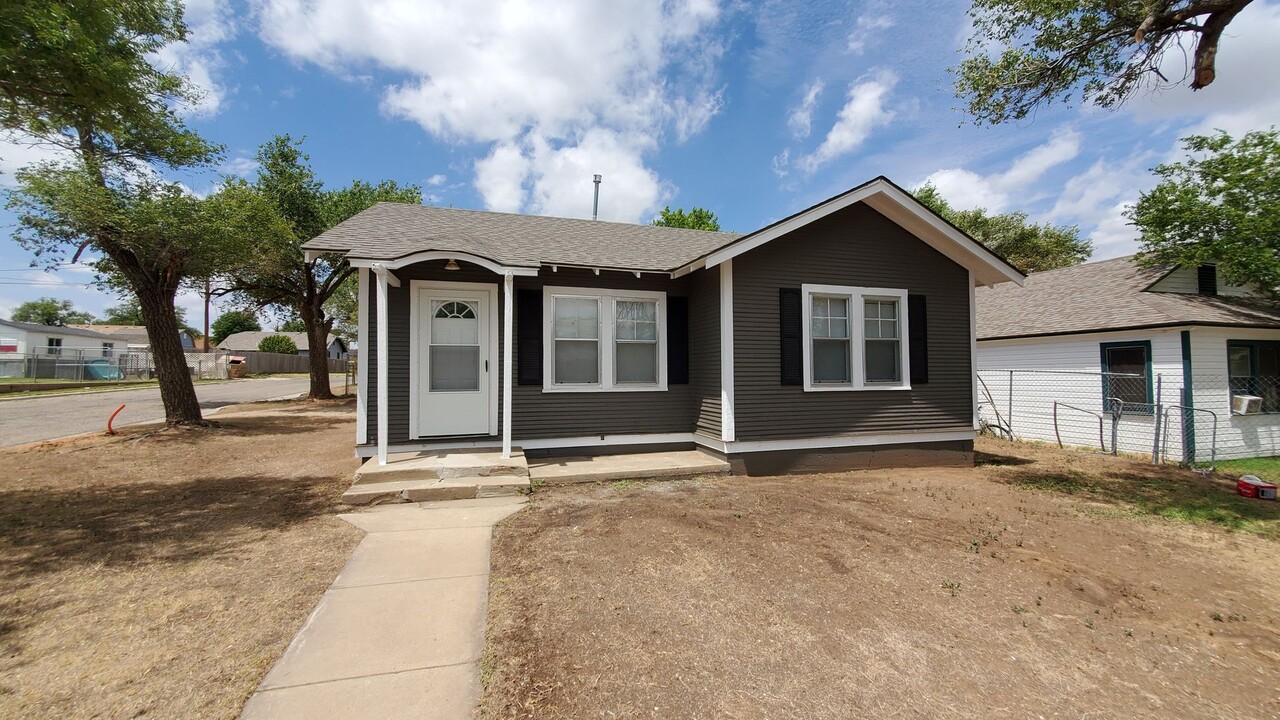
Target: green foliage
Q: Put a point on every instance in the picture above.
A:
(1221, 204)
(1029, 246)
(292, 325)
(232, 322)
(50, 311)
(695, 219)
(1027, 54)
(278, 344)
(344, 307)
(129, 312)
(79, 73)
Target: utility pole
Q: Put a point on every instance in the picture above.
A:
(205, 339)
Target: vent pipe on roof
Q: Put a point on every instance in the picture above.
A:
(595, 204)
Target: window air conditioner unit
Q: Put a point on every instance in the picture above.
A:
(1246, 404)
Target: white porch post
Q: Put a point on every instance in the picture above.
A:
(382, 366)
(507, 283)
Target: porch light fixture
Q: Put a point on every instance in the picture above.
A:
(452, 265)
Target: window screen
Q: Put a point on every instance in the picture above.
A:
(636, 341)
(1126, 374)
(830, 332)
(882, 338)
(577, 341)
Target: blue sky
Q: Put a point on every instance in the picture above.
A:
(754, 110)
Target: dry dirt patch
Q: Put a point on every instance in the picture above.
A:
(159, 574)
(1032, 585)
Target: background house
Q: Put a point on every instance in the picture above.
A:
(135, 336)
(243, 342)
(20, 338)
(1159, 340)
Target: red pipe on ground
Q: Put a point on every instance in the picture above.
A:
(113, 417)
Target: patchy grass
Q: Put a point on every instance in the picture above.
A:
(1267, 468)
(160, 573)
(1042, 578)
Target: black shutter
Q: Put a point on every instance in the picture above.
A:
(790, 327)
(677, 340)
(918, 331)
(528, 337)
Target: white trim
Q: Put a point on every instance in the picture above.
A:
(362, 367)
(508, 282)
(382, 363)
(857, 347)
(834, 441)
(728, 427)
(417, 286)
(540, 443)
(973, 346)
(384, 271)
(605, 297)
(898, 206)
(442, 255)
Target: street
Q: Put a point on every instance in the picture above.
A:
(44, 418)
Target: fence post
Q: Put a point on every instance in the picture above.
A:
(1115, 426)
(1155, 431)
(1008, 420)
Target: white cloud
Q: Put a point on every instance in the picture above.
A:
(18, 150)
(800, 119)
(210, 23)
(867, 28)
(241, 165)
(965, 189)
(863, 112)
(520, 78)
(437, 180)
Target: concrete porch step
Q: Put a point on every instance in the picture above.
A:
(443, 465)
(630, 466)
(428, 489)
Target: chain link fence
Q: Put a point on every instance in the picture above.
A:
(59, 364)
(1154, 416)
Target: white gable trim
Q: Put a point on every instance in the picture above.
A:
(887, 199)
(441, 255)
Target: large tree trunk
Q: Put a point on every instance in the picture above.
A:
(177, 391)
(318, 326)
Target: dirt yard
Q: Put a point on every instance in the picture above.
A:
(1043, 583)
(160, 574)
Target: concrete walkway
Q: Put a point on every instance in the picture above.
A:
(400, 632)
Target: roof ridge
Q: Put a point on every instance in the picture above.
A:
(659, 228)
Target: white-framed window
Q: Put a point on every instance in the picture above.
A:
(604, 340)
(53, 345)
(108, 349)
(855, 338)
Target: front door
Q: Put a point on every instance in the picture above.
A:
(453, 362)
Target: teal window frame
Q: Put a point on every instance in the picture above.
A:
(1129, 409)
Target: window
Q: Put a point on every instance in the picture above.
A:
(54, 345)
(854, 338)
(604, 340)
(108, 349)
(1254, 369)
(1126, 374)
(454, 349)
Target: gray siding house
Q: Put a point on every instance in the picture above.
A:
(839, 337)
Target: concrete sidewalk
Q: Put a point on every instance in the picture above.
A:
(400, 632)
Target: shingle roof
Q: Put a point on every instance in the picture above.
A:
(1106, 295)
(249, 340)
(55, 329)
(388, 231)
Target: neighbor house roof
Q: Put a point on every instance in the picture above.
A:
(242, 341)
(389, 231)
(1107, 295)
(136, 333)
(54, 329)
(394, 234)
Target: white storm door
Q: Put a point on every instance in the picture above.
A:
(454, 338)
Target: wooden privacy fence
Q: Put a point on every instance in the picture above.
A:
(265, 362)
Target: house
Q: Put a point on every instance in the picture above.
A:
(1169, 347)
(248, 342)
(135, 336)
(841, 336)
(21, 338)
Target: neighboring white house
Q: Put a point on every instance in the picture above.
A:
(20, 338)
(1059, 355)
(248, 342)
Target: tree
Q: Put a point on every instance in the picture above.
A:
(292, 325)
(278, 344)
(344, 308)
(277, 273)
(129, 312)
(50, 311)
(78, 74)
(1219, 205)
(1029, 246)
(1099, 50)
(696, 219)
(233, 321)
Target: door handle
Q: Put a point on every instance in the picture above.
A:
(486, 366)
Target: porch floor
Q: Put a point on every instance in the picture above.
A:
(464, 474)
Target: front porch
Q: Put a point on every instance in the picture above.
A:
(473, 473)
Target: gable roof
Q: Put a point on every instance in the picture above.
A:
(249, 340)
(390, 231)
(1107, 295)
(53, 329)
(394, 234)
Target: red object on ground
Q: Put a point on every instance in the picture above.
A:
(113, 417)
(1251, 487)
